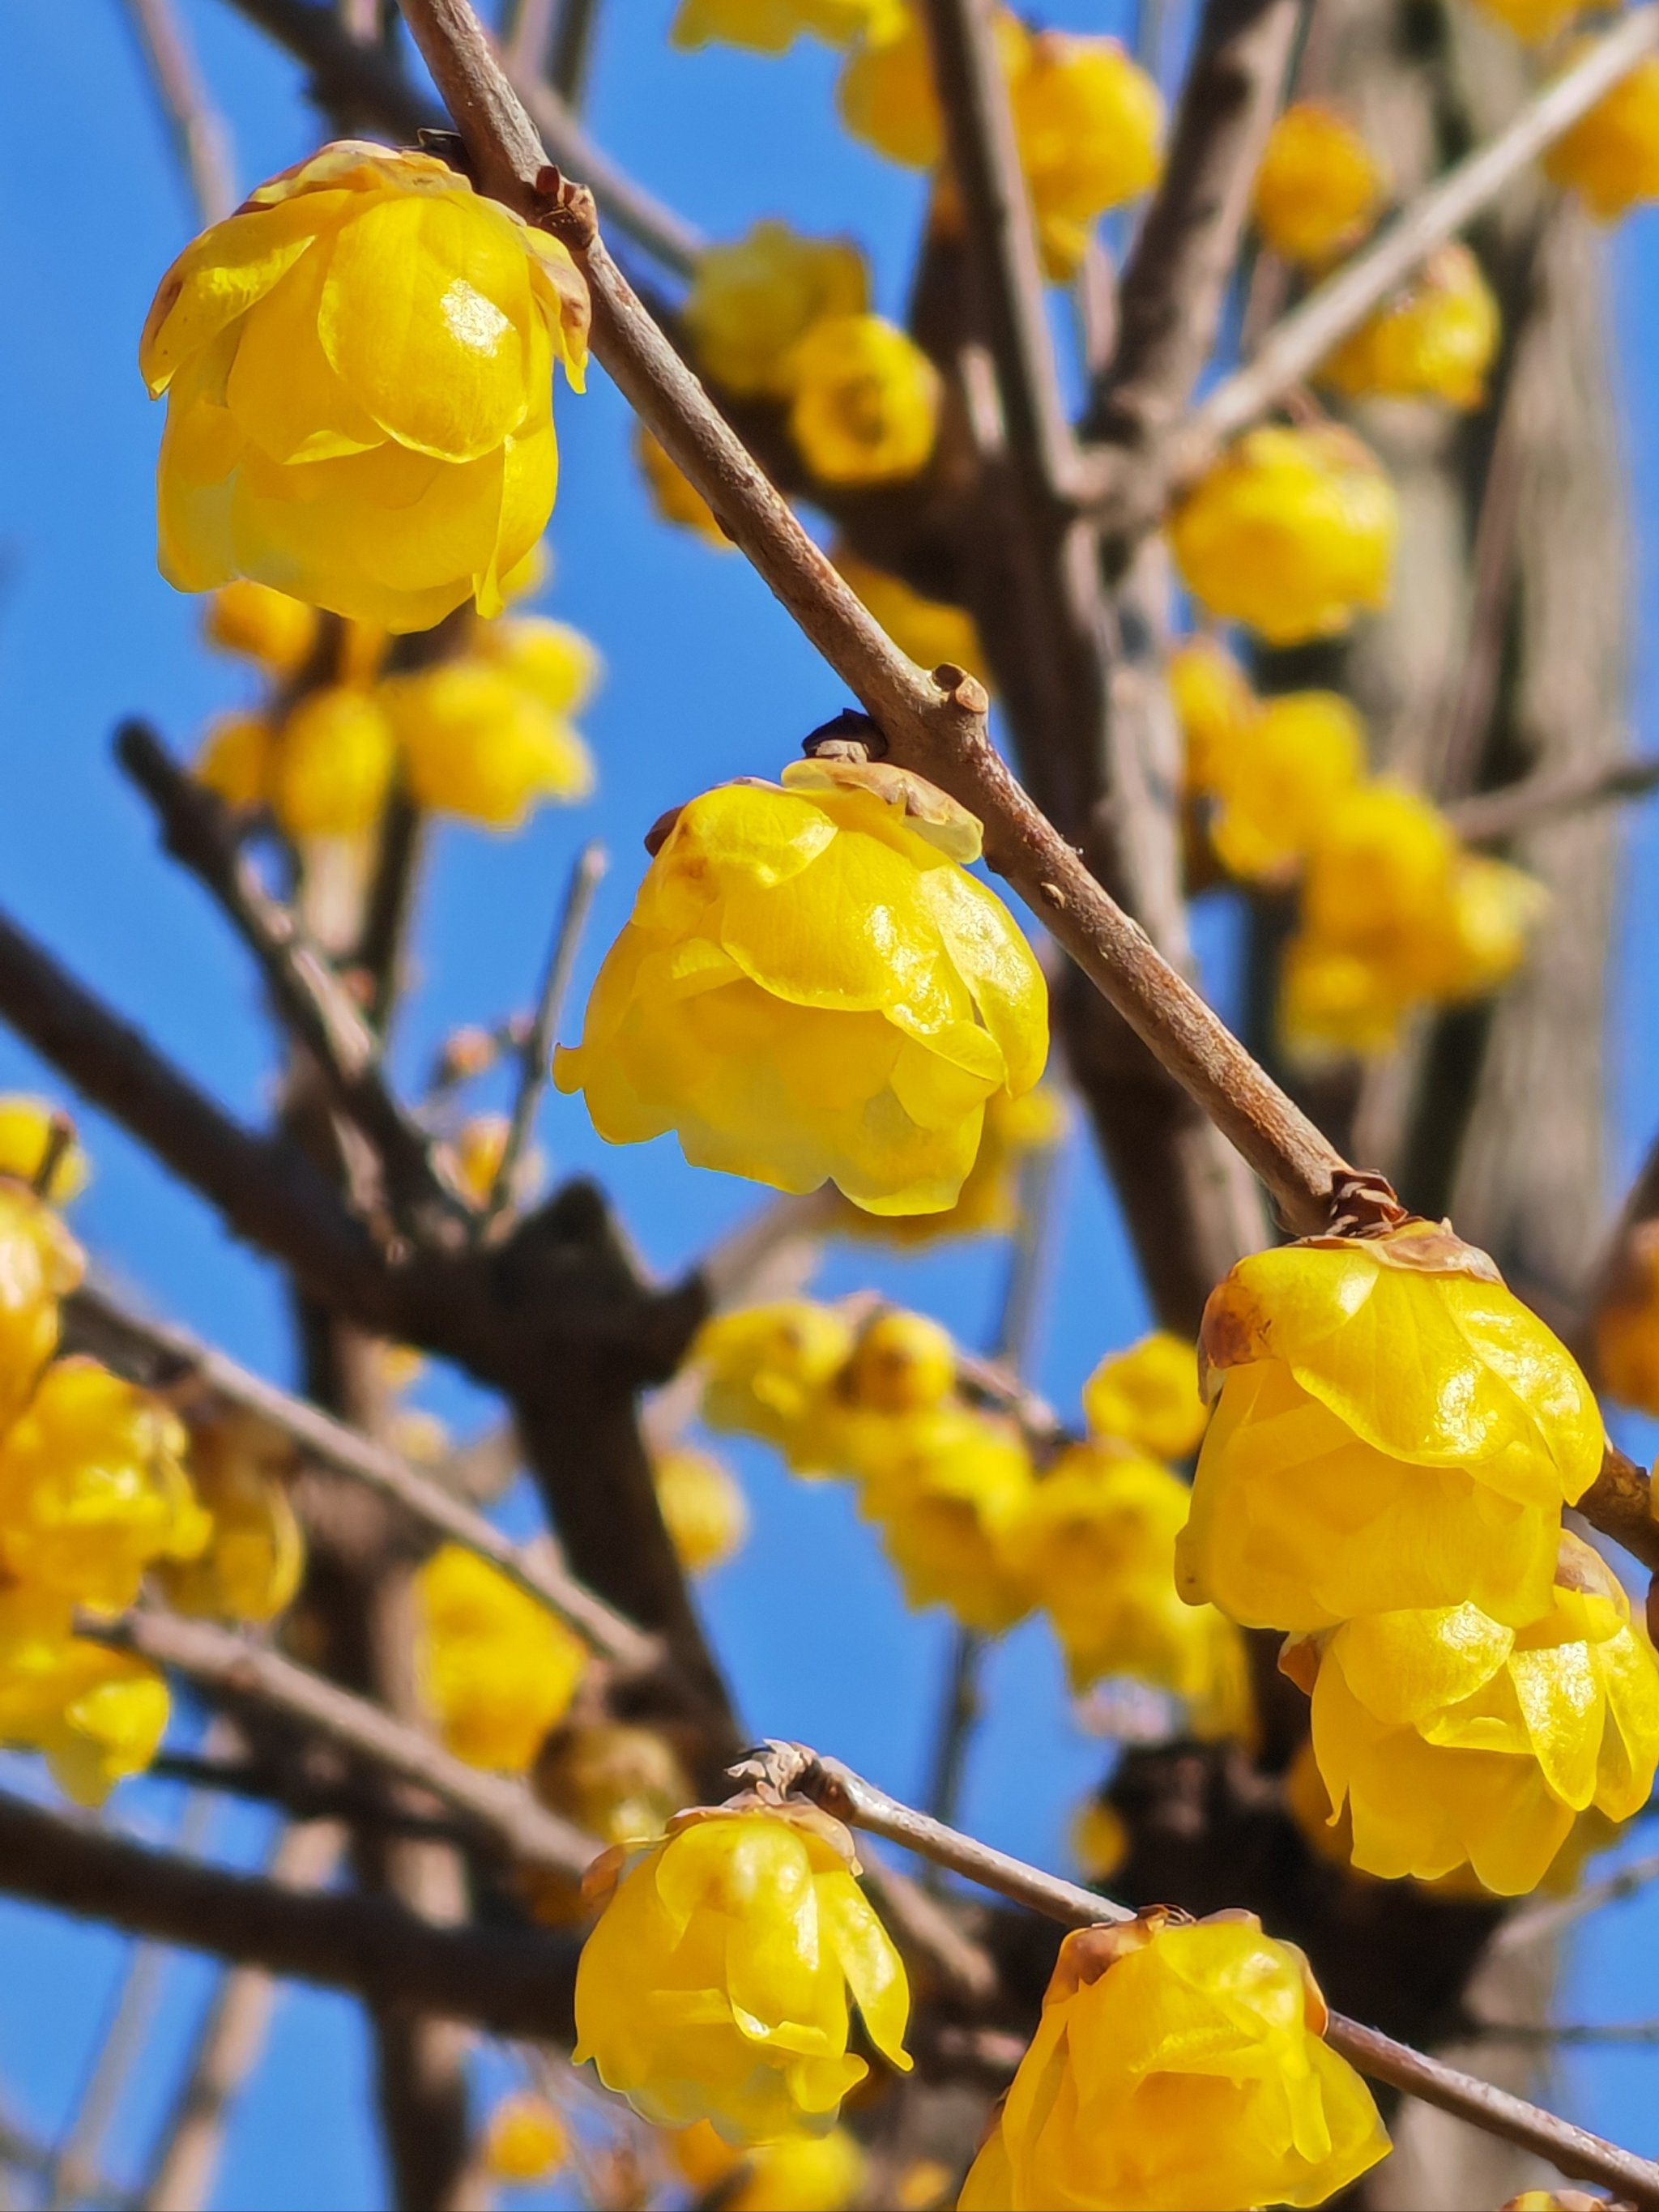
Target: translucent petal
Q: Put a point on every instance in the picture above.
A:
(1564, 1704)
(222, 274)
(997, 964)
(1404, 1666)
(283, 395)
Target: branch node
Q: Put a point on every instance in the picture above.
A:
(848, 735)
(963, 690)
(1365, 1203)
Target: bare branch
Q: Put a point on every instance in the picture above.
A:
(1605, 2033)
(197, 128)
(1539, 1923)
(1490, 817)
(1619, 1503)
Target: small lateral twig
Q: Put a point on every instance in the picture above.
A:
(1489, 817)
(1574, 2150)
(536, 1053)
(1540, 1923)
(168, 1357)
(197, 128)
(1607, 2034)
(233, 1667)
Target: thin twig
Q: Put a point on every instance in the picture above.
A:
(305, 1801)
(538, 1053)
(383, 944)
(1538, 1923)
(1490, 817)
(1606, 2034)
(570, 50)
(197, 128)
(167, 1357)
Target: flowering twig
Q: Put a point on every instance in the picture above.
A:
(792, 1769)
(197, 127)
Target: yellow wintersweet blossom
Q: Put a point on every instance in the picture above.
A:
(703, 1507)
(97, 1715)
(1148, 1398)
(886, 91)
(476, 742)
(1453, 1738)
(812, 988)
(29, 1133)
(931, 631)
(1436, 340)
(951, 1491)
(902, 1363)
(1089, 124)
(92, 1488)
(866, 400)
(1610, 157)
(359, 372)
(1300, 754)
(771, 26)
(751, 302)
(1292, 531)
(1626, 1326)
(797, 2173)
(553, 661)
(238, 758)
(674, 496)
(262, 625)
(1393, 1428)
(1535, 20)
(1099, 1840)
(1320, 187)
(331, 766)
(1215, 707)
(716, 1983)
(40, 1263)
(524, 2139)
(1178, 2064)
(989, 1204)
(255, 1554)
(770, 1372)
(497, 1669)
(617, 1781)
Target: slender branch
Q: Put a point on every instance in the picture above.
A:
(537, 1054)
(197, 128)
(240, 1670)
(1539, 1922)
(1619, 1503)
(1492, 816)
(286, 1785)
(168, 1356)
(383, 944)
(515, 1981)
(1606, 2034)
(850, 1797)
(1297, 345)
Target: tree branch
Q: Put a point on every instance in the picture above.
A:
(1490, 817)
(197, 128)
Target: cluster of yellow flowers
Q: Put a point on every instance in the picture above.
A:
(497, 1671)
(1395, 1438)
(1395, 912)
(483, 736)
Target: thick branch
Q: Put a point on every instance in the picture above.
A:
(513, 1981)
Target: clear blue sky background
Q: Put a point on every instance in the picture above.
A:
(706, 678)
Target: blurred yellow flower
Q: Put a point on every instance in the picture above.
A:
(931, 631)
(1148, 1398)
(1535, 20)
(28, 1134)
(951, 1492)
(1099, 1838)
(497, 1669)
(359, 369)
(1178, 2065)
(1300, 754)
(813, 988)
(902, 1363)
(617, 1781)
(1089, 124)
(97, 1715)
(864, 403)
(886, 91)
(989, 1203)
(770, 1372)
(332, 767)
(703, 1507)
(524, 2139)
(1320, 187)
(676, 499)
(1292, 531)
(40, 1263)
(716, 1983)
(1435, 340)
(551, 661)
(255, 1554)
(771, 26)
(1215, 707)
(751, 302)
(1394, 1430)
(1627, 1324)
(262, 625)
(1610, 157)
(476, 742)
(238, 758)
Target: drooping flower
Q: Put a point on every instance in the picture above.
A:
(1320, 187)
(716, 1983)
(1088, 123)
(769, 1372)
(29, 1133)
(255, 1554)
(1298, 756)
(97, 1715)
(524, 2139)
(931, 631)
(751, 302)
(1178, 2066)
(477, 742)
(812, 988)
(1453, 1738)
(1147, 1398)
(1214, 706)
(1394, 1429)
(1016, 1130)
(358, 366)
(886, 91)
(1291, 531)
(40, 1263)
(1436, 340)
(950, 1489)
(703, 1507)
(1610, 157)
(865, 401)
(497, 1669)
(263, 625)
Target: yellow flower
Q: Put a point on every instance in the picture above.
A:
(1394, 1428)
(1320, 187)
(751, 301)
(97, 1715)
(1100, 1840)
(676, 499)
(902, 1363)
(771, 26)
(237, 759)
(40, 1263)
(1096, 1548)
(1089, 125)
(770, 1372)
(1178, 2066)
(524, 2139)
(1214, 706)
(1453, 1738)
(497, 1671)
(813, 988)
(333, 765)
(620, 1783)
(262, 625)
(703, 1507)
(92, 1488)
(359, 371)
(1434, 340)
(931, 631)
(1626, 1326)
(886, 91)
(1334, 1001)
(1300, 755)
(1534, 20)
(1291, 531)
(1147, 1398)
(1494, 910)
(478, 743)
(801, 2174)
(715, 1984)
(26, 1137)
(1610, 157)
(989, 1204)
(951, 1491)
(865, 401)
(255, 1554)
(554, 662)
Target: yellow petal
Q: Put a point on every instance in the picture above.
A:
(221, 275)
(283, 395)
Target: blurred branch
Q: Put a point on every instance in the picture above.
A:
(1489, 817)
(570, 50)
(1539, 1923)
(514, 1981)
(195, 124)
(1567, 2033)
(383, 944)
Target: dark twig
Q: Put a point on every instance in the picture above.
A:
(197, 128)
(1606, 2034)
(383, 945)
(570, 51)
(1490, 817)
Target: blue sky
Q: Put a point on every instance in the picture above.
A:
(706, 678)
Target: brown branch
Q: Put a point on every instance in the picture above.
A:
(1619, 1503)
(382, 946)
(1539, 1923)
(1490, 817)
(1573, 2150)
(243, 1672)
(513, 1981)
(197, 128)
